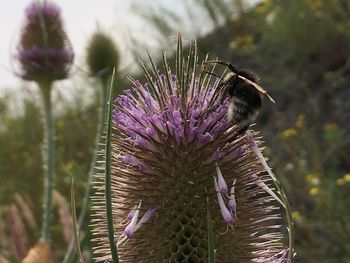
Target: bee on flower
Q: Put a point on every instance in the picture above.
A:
(176, 152)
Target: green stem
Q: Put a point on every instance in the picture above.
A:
(108, 183)
(48, 157)
(82, 215)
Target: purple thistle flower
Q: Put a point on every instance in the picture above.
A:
(43, 52)
(177, 127)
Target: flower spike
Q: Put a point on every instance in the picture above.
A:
(44, 51)
(172, 139)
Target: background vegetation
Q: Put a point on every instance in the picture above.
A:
(300, 50)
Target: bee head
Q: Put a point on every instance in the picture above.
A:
(237, 79)
(247, 93)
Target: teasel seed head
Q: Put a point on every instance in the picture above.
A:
(43, 52)
(102, 55)
(171, 138)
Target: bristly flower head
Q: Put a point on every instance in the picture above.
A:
(179, 162)
(102, 55)
(43, 51)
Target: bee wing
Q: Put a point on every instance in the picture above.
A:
(259, 88)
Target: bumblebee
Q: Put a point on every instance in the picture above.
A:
(246, 95)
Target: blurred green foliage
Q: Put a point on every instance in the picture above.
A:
(21, 167)
(300, 50)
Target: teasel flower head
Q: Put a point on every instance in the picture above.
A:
(186, 186)
(102, 55)
(43, 52)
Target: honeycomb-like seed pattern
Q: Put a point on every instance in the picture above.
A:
(184, 229)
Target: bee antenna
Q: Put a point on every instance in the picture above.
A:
(227, 64)
(213, 74)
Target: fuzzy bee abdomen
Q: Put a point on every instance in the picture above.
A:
(241, 114)
(238, 111)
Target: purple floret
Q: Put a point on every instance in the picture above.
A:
(45, 9)
(138, 111)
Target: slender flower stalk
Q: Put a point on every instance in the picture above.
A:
(102, 56)
(85, 200)
(171, 138)
(44, 56)
(49, 159)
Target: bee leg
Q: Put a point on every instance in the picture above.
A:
(243, 129)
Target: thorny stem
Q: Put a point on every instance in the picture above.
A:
(48, 157)
(82, 215)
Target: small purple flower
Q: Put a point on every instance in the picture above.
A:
(43, 51)
(134, 225)
(45, 8)
(217, 154)
(132, 213)
(131, 227)
(226, 214)
(238, 152)
(148, 214)
(222, 186)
